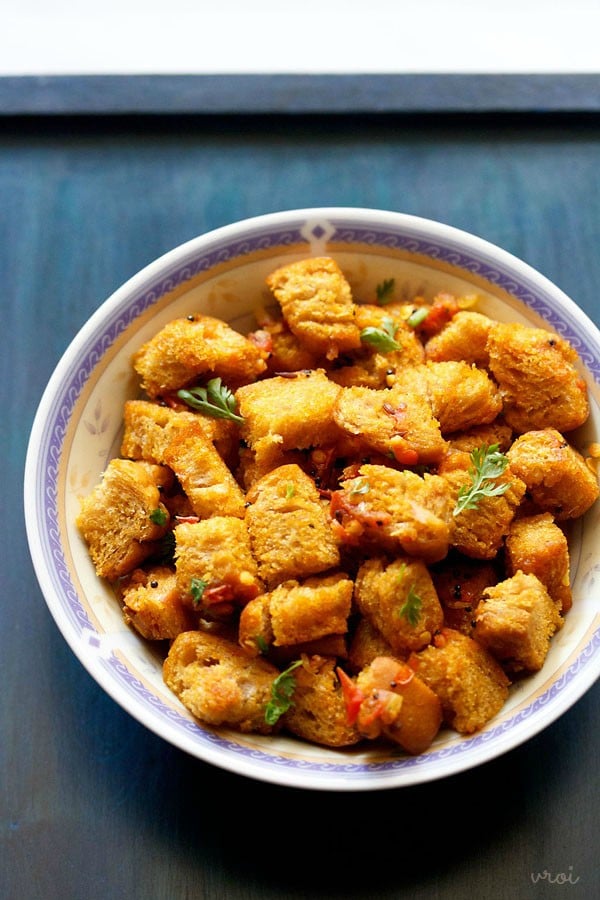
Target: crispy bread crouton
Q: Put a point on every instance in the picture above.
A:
(293, 412)
(398, 705)
(535, 370)
(218, 682)
(255, 632)
(397, 422)
(555, 473)
(393, 510)
(515, 621)
(536, 545)
(289, 529)
(193, 347)
(207, 481)
(461, 395)
(471, 684)
(463, 338)
(482, 435)
(366, 644)
(119, 519)
(318, 711)
(215, 555)
(304, 612)
(400, 601)
(153, 605)
(316, 302)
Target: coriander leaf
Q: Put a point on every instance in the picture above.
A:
(290, 490)
(261, 643)
(411, 608)
(282, 691)
(382, 338)
(197, 588)
(487, 464)
(359, 486)
(158, 516)
(214, 400)
(385, 291)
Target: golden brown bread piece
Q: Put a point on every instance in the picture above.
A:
(316, 302)
(318, 711)
(218, 682)
(555, 473)
(515, 620)
(192, 348)
(471, 684)
(289, 529)
(538, 379)
(153, 605)
(123, 517)
(463, 338)
(536, 545)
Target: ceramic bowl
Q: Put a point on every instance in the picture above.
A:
(77, 431)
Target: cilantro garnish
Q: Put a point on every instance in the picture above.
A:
(417, 317)
(282, 691)
(359, 486)
(385, 291)
(158, 516)
(488, 464)
(411, 608)
(197, 588)
(382, 338)
(214, 400)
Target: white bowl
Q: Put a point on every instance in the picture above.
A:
(77, 431)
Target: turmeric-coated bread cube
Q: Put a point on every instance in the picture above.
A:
(497, 432)
(400, 601)
(255, 632)
(398, 423)
(214, 562)
(366, 644)
(291, 412)
(538, 379)
(461, 395)
(289, 529)
(471, 684)
(397, 704)
(153, 605)
(196, 347)
(464, 337)
(285, 351)
(515, 620)
(219, 683)
(555, 473)
(536, 545)
(207, 481)
(318, 710)
(123, 517)
(316, 302)
(479, 532)
(396, 511)
(317, 607)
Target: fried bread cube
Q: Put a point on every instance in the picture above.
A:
(397, 422)
(483, 435)
(153, 605)
(536, 545)
(255, 632)
(400, 601)
(538, 379)
(515, 621)
(479, 532)
(396, 511)
(293, 412)
(219, 683)
(316, 302)
(318, 711)
(149, 428)
(366, 644)
(214, 562)
(289, 529)
(461, 395)
(207, 481)
(123, 517)
(193, 347)
(471, 684)
(464, 337)
(555, 473)
(286, 353)
(398, 705)
(318, 606)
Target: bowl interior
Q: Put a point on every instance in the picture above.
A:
(78, 429)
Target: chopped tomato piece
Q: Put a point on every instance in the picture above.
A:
(353, 696)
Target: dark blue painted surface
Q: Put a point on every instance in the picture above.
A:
(91, 804)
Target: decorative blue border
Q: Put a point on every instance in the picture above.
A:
(148, 293)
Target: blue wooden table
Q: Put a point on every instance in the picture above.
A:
(94, 806)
